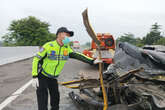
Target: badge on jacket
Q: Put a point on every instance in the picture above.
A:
(53, 53)
(41, 49)
(65, 52)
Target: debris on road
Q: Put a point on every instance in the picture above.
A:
(136, 81)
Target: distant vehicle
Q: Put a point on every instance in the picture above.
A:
(107, 48)
(76, 45)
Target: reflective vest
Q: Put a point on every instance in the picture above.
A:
(53, 63)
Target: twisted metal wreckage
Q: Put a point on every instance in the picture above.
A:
(134, 82)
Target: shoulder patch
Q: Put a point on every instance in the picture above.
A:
(42, 49)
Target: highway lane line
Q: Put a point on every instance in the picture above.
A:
(14, 95)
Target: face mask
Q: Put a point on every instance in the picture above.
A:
(66, 41)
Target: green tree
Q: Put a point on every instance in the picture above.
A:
(154, 35)
(161, 41)
(139, 42)
(8, 40)
(127, 37)
(0, 43)
(130, 38)
(51, 37)
(28, 31)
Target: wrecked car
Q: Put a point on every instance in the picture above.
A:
(134, 82)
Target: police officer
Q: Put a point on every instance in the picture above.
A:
(53, 55)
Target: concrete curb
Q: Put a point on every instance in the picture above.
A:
(15, 54)
(14, 59)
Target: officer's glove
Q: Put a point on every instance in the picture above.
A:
(35, 83)
(97, 61)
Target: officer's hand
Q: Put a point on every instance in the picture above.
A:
(97, 61)
(35, 83)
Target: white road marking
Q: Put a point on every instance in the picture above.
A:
(14, 95)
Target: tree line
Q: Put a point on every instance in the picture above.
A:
(31, 31)
(154, 37)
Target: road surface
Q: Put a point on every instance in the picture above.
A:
(13, 76)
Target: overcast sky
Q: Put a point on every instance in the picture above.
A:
(113, 16)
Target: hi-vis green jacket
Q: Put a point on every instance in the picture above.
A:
(55, 56)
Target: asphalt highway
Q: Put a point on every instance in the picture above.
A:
(15, 75)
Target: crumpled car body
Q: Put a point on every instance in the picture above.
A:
(142, 89)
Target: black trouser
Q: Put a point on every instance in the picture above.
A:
(47, 85)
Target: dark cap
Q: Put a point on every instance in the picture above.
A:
(64, 29)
